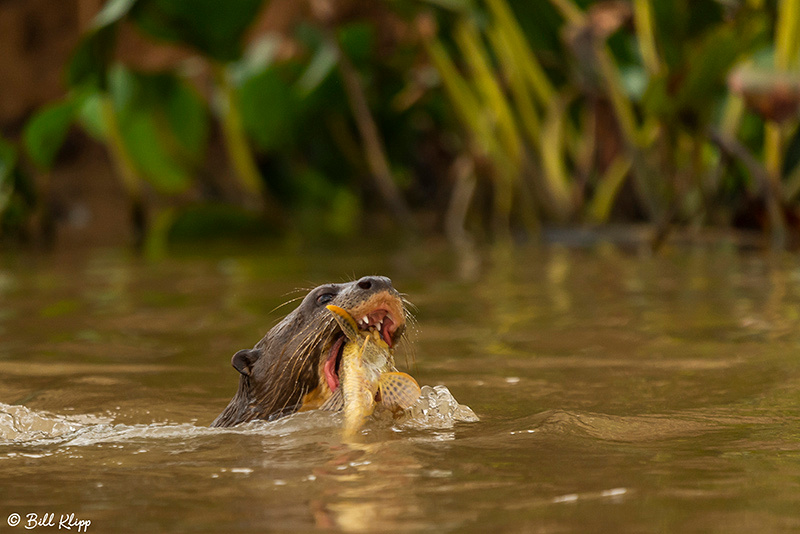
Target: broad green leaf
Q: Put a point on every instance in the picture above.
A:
(163, 124)
(89, 63)
(320, 66)
(708, 67)
(678, 25)
(357, 41)
(214, 28)
(45, 132)
(113, 11)
(269, 109)
(144, 140)
(90, 115)
(258, 56)
(123, 85)
(188, 118)
(709, 64)
(171, 100)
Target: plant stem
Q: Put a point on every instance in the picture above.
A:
(131, 180)
(787, 34)
(608, 187)
(643, 16)
(771, 190)
(570, 11)
(531, 69)
(238, 148)
(373, 144)
(772, 149)
(128, 173)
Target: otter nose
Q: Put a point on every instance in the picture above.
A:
(374, 283)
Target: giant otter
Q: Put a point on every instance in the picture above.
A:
(295, 367)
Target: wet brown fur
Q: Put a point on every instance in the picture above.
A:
(283, 373)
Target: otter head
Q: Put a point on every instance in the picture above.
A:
(295, 366)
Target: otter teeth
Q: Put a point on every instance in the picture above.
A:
(366, 323)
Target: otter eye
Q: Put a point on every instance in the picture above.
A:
(324, 298)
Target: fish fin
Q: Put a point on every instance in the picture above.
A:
(363, 348)
(335, 402)
(398, 390)
(345, 321)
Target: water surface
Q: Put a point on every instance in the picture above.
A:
(617, 393)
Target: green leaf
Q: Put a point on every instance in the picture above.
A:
(708, 66)
(320, 66)
(89, 64)
(188, 118)
(45, 132)
(258, 56)
(143, 138)
(90, 61)
(113, 11)
(214, 28)
(163, 124)
(269, 109)
(357, 41)
(170, 100)
(90, 115)
(711, 60)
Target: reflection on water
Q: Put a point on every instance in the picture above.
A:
(616, 393)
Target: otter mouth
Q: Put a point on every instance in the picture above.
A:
(386, 318)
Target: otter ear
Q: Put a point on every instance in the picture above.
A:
(243, 360)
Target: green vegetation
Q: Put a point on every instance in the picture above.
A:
(498, 116)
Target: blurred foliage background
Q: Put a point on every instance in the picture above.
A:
(322, 119)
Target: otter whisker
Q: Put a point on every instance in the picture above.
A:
(306, 348)
(407, 303)
(279, 306)
(312, 345)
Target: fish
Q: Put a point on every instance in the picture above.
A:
(368, 376)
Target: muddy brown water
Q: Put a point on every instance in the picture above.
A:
(617, 392)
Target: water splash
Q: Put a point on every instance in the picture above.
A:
(19, 424)
(437, 408)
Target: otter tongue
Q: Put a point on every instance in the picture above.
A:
(387, 324)
(330, 365)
